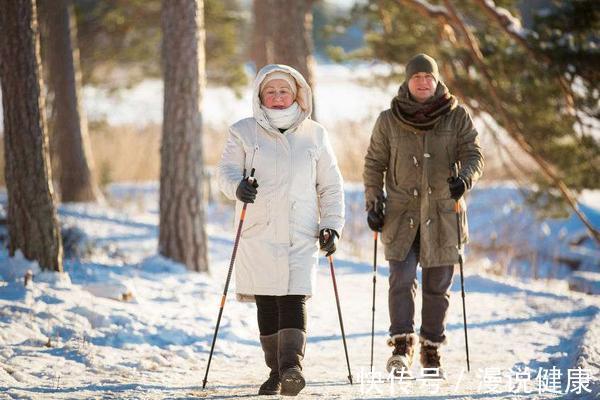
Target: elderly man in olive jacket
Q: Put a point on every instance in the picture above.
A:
(413, 147)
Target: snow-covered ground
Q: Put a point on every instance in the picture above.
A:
(73, 337)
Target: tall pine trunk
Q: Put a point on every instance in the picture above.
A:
(70, 140)
(283, 35)
(182, 235)
(32, 221)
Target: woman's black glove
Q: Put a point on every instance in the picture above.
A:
(375, 220)
(328, 239)
(457, 187)
(246, 190)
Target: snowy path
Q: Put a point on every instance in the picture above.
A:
(511, 326)
(157, 346)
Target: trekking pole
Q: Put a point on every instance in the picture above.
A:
(337, 301)
(374, 283)
(454, 169)
(224, 296)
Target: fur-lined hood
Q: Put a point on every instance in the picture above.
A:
(303, 96)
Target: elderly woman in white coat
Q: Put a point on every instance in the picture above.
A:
(297, 207)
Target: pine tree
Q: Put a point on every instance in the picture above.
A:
(71, 152)
(32, 222)
(182, 232)
(282, 34)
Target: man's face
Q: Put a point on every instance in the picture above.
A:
(422, 86)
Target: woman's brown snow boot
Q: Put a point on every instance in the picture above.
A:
(269, 345)
(292, 343)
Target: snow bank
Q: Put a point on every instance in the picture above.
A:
(585, 282)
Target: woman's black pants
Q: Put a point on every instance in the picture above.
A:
(280, 312)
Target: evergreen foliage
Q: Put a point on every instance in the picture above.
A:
(120, 41)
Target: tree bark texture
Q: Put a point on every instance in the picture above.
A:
(283, 35)
(32, 221)
(182, 232)
(71, 143)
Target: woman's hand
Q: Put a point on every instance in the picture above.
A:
(328, 239)
(246, 190)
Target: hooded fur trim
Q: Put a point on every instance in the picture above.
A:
(280, 75)
(303, 96)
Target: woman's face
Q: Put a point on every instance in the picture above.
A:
(277, 94)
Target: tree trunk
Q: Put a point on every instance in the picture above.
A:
(70, 139)
(182, 235)
(32, 221)
(283, 35)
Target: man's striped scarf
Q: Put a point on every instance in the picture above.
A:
(422, 116)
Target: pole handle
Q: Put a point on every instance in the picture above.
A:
(251, 177)
(454, 170)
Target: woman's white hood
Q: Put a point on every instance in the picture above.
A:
(304, 96)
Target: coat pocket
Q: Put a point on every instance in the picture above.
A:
(401, 164)
(447, 227)
(395, 225)
(256, 220)
(444, 143)
(393, 160)
(305, 219)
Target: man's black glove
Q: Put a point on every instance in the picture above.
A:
(457, 187)
(375, 220)
(375, 203)
(328, 239)
(246, 190)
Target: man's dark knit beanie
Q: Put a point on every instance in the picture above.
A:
(422, 63)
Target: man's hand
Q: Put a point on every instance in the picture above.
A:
(375, 204)
(457, 187)
(375, 220)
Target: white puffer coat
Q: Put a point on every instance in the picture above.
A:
(300, 192)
